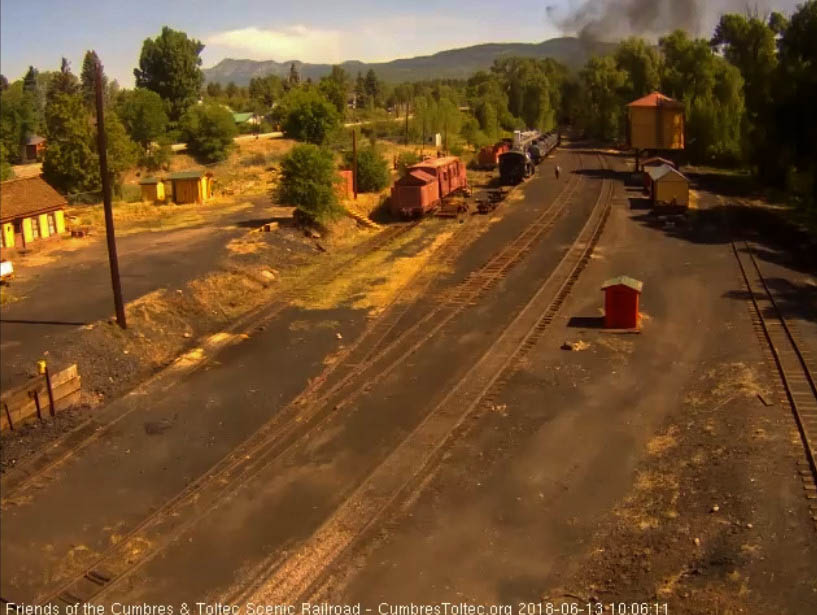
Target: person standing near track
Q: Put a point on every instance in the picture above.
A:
(557, 170)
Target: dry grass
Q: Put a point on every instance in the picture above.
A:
(132, 218)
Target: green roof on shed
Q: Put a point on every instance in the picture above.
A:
(624, 280)
(149, 181)
(190, 174)
(240, 118)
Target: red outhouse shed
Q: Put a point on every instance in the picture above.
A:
(621, 296)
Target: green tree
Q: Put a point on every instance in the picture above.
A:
(306, 115)
(214, 89)
(603, 107)
(143, 114)
(64, 80)
(17, 120)
(88, 79)
(335, 87)
(121, 151)
(798, 93)
(209, 130)
(70, 163)
(4, 83)
(308, 181)
(6, 171)
(264, 92)
(642, 63)
(372, 169)
(170, 66)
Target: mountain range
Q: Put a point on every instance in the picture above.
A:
(450, 64)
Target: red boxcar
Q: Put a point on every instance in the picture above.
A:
(426, 184)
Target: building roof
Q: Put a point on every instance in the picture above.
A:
(657, 99)
(657, 161)
(240, 118)
(624, 280)
(149, 181)
(658, 173)
(189, 174)
(435, 162)
(26, 196)
(35, 140)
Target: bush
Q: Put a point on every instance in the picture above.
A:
(306, 115)
(308, 181)
(405, 160)
(208, 130)
(156, 157)
(372, 169)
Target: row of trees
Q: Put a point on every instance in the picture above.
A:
(749, 92)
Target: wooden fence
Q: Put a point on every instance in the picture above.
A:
(33, 399)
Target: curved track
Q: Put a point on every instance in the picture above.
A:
(378, 352)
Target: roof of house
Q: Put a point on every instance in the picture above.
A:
(624, 280)
(657, 173)
(35, 140)
(26, 196)
(149, 181)
(189, 174)
(656, 99)
(657, 161)
(240, 118)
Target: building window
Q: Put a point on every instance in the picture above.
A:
(52, 225)
(35, 227)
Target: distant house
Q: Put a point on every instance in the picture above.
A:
(193, 186)
(153, 189)
(246, 118)
(33, 148)
(668, 186)
(30, 210)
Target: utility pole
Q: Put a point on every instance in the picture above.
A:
(106, 200)
(407, 114)
(354, 161)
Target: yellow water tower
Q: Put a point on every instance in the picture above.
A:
(656, 122)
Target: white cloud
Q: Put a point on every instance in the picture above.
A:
(291, 43)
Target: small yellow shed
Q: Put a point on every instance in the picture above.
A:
(193, 186)
(153, 190)
(656, 122)
(668, 186)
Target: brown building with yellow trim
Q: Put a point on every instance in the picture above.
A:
(656, 122)
(30, 210)
(194, 186)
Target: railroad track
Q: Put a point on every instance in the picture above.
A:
(794, 365)
(89, 431)
(365, 365)
(297, 577)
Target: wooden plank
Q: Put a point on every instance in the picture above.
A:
(66, 394)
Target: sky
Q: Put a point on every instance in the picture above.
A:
(41, 32)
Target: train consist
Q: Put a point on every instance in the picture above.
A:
(529, 149)
(426, 184)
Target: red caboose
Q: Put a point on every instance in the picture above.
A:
(426, 184)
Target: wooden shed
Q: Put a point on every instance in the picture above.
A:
(621, 296)
(153, 190)
(656, 122)
(30, 210)
(668, 186)
(655, 161)
(34, 148)
(194, 186)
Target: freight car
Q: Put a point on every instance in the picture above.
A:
(515, 166)
(488, 156)
(426, 184)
